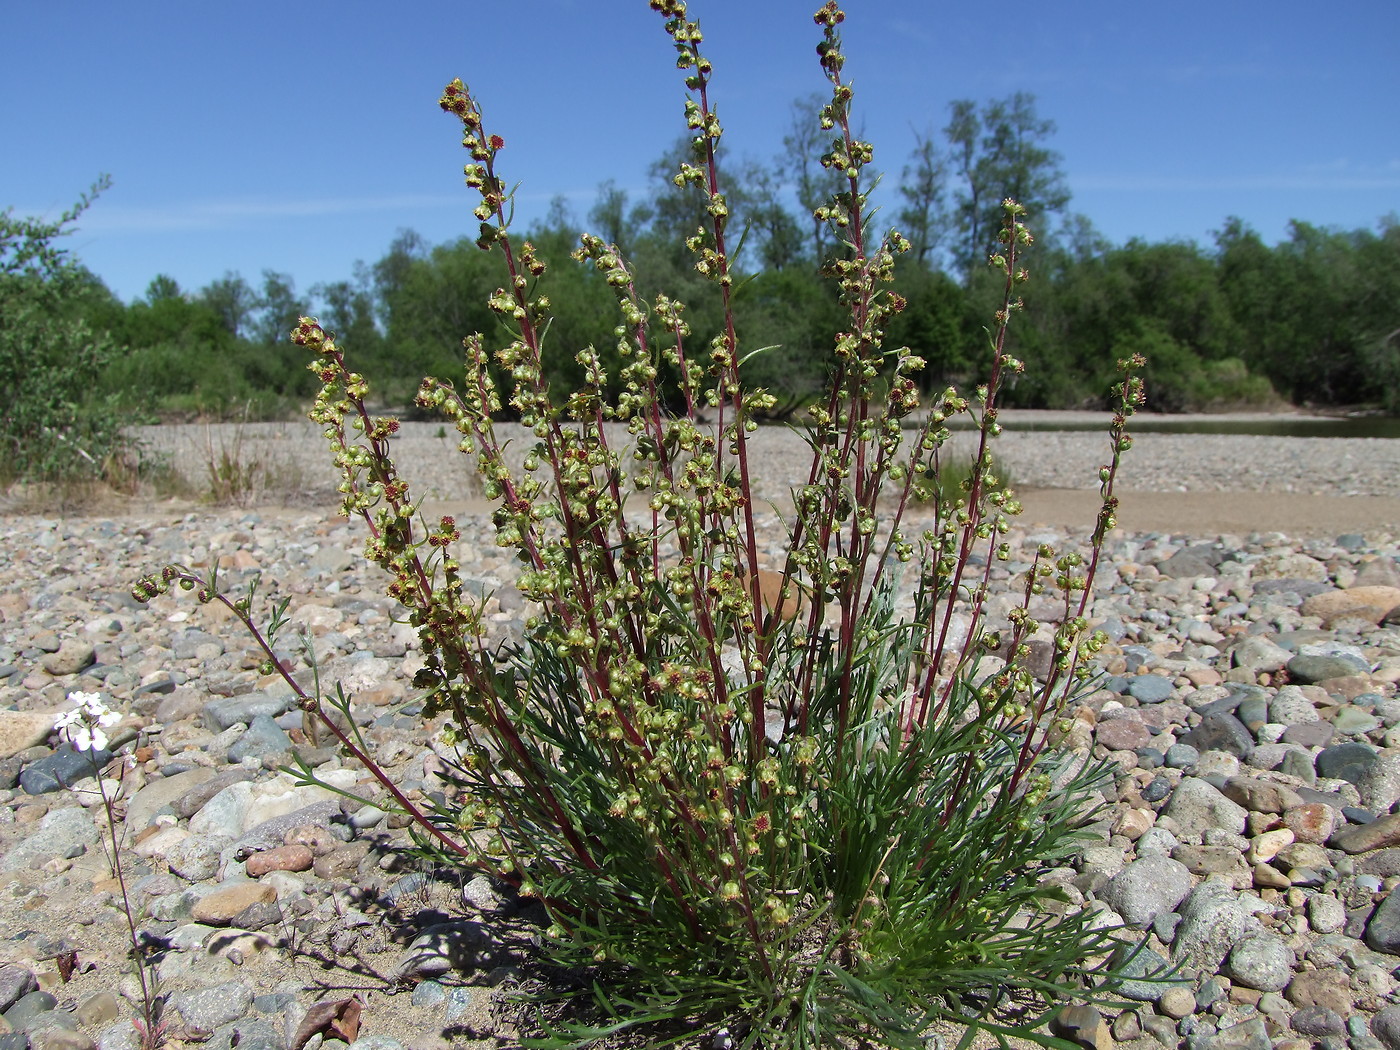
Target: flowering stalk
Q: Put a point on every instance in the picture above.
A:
(85, 728)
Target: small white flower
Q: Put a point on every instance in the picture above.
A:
(84, 738)
(83, 726)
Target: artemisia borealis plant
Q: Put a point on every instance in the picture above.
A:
(786, 803)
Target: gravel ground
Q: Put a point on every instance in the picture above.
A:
(1251, 835)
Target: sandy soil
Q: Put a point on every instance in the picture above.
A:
(1197, 513)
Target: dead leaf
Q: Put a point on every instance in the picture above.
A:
(334, 1017)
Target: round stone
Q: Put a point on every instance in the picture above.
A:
(1149, 689)
(1148, 886)
(1264, 962)
(1177, 1003)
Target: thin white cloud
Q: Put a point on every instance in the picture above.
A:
(1311, 182)
(201, 215)
(185, 216)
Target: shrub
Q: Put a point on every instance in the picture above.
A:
(52, 428)
(790, 803)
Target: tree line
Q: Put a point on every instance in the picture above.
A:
(1311, 320)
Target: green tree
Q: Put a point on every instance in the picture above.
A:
(998, 151)
(279, 307)
(932, 324)
(390, 273)
(52, 425)
(924, 216)
(233, 299)
(801, 166)
(348, 309)
(612, 220)
(163, 286)
(778, 234)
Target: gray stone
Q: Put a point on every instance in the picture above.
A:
(28, 1007)
(1257, 654)
(460, 945)
(1355, 721)
(223, 814)
(61, 833)
(120, 1036)
(196, 858)
(1318, 1020)
(1291, 707)
(158, 795)
(1186, 564)
(1146, 974)
(1264, 962)
(193, 800)
(272, 833)
(1196, 805)
(72, 657)
(208, 1008)
(1149, 689)
(1350, 761)
(1212, 922)
(1247, 1035)
(481, 894)
(1220, 731)
(1146, 887)
(1383, 929)
(58, 1036)
(15, 982)
(1379, 784)
(178, 705)
(1223, 860)
(1156, 840)
(428, 993)
(1326, 914)
(251, 1033)
(197, 645)
(1309, 734)
(229, 711)
(64, 768)
(1320, 667)
(1253, 712)
(1181, 756)
(263, 737)
(1385, 1026)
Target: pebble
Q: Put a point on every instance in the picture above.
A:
(1248, 836)
(282, 858)
(225, 903)
(1264, 962)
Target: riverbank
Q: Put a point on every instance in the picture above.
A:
(1199, 483)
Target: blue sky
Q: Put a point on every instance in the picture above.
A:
(300, 136)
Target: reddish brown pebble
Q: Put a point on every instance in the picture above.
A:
(283, 858)
(1313, 822)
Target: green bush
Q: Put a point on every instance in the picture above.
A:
(52, 427)
(788, 803)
